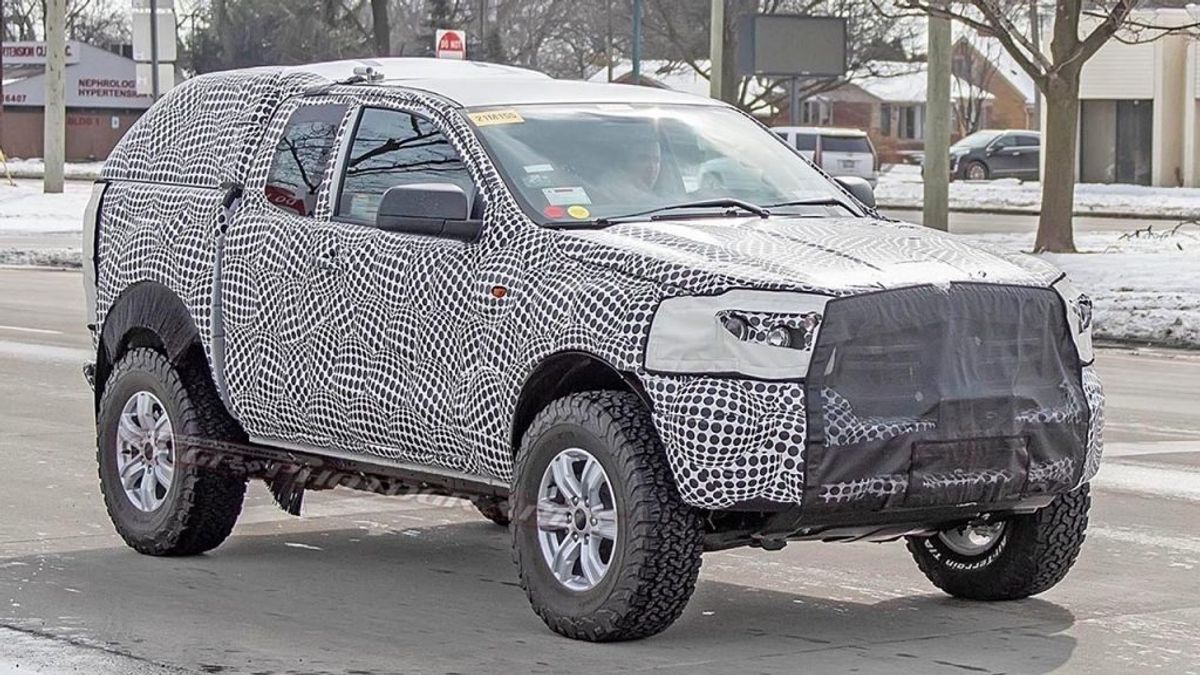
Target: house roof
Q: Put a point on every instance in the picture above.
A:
(675, 75)
(906, 83)
(1005, 65)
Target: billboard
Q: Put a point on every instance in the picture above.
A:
(789, 45)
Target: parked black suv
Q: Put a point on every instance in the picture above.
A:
(991, 153)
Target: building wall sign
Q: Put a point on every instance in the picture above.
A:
(34, 53)
(97, 79)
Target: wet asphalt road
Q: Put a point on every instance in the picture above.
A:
(365, 584)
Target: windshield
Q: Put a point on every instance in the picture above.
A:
(978, 139)
(580, 163)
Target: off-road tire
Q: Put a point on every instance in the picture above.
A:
(202, 504)
(494, 509)
(660, 538)
(1034, 553)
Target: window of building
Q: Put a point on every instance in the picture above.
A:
(885, 119)
(910, 122)
(816, 112)
(298, 167)
(393, 148)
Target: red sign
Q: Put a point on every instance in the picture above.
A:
(451, 44)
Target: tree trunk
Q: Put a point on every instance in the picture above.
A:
(381, 28)
(1059, 151)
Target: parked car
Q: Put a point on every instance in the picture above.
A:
(840, 152)
(479, 281)
(993, 153)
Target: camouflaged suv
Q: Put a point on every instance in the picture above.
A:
(536, 294)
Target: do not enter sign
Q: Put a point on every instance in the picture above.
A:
(451, 44)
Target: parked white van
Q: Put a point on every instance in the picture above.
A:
(840, 152)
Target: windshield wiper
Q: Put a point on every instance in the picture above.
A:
(812, 201)
(728, 202)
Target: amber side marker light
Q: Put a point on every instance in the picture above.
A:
(499, 291)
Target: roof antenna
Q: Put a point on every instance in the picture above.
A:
(364, 74)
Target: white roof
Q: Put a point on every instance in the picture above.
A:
(906, 83)
(1006, 66)
(825, 131)
(475, 83)
(678, 76)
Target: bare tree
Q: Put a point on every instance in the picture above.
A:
(1081, 28)
(974, 69)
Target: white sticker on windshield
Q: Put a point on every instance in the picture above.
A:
(563, 196)
(538, 168)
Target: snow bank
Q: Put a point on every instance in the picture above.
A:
(26, 209)
(1145, 284)
(35, 168)
(900, 187)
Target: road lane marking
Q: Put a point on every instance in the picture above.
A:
(1129, 535)
(23, 329)
(29, 352)
(1150, 448)
(1151, 481)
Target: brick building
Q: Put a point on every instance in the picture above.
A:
(102, 100)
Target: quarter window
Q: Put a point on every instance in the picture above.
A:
(393, 148)
(298, 167)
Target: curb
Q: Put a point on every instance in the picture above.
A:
(1033, 212)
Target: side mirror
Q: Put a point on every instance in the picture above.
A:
(433, 209)
(859, 187)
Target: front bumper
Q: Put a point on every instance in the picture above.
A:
(744, 444)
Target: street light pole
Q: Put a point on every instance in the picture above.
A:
(154, 49)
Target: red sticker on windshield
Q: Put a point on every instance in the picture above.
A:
(554, 211)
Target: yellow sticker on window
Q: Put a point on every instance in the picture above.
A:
(489, 117)
(578, 211)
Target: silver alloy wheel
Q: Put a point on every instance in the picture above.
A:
(976, 171)
(145, 451)
(576, 519)
(972, 540)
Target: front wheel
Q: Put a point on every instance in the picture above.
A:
(976, 171)
(605, 546)
(1010, 559)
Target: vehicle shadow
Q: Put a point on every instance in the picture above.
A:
(445, 599)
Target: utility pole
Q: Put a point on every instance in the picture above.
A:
(637, 41)
(937, 123)
(608, 42)
(154, 84)
(716, 49)
(1035, 37)
(55, 114)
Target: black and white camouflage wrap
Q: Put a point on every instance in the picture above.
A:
(390, 345)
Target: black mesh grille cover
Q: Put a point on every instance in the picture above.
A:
(928, 396)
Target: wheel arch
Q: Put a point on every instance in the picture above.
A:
(146, 314)
(564, 373)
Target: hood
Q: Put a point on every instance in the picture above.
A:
(837, 256)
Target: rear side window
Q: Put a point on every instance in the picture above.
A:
(845, 144)
(393, 148)
(806, 142)
(1028, 141)
(301, 156)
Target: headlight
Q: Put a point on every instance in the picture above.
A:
(1079, 317)
(762, 334)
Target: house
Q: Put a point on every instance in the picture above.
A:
(101, 92)
(1139, 108)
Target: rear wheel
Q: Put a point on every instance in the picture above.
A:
(151, 418)
(1010, 559)
(606, 548)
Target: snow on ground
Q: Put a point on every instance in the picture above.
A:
(1145, 284)
(900, 187)
(25, 208)
(35, 168)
